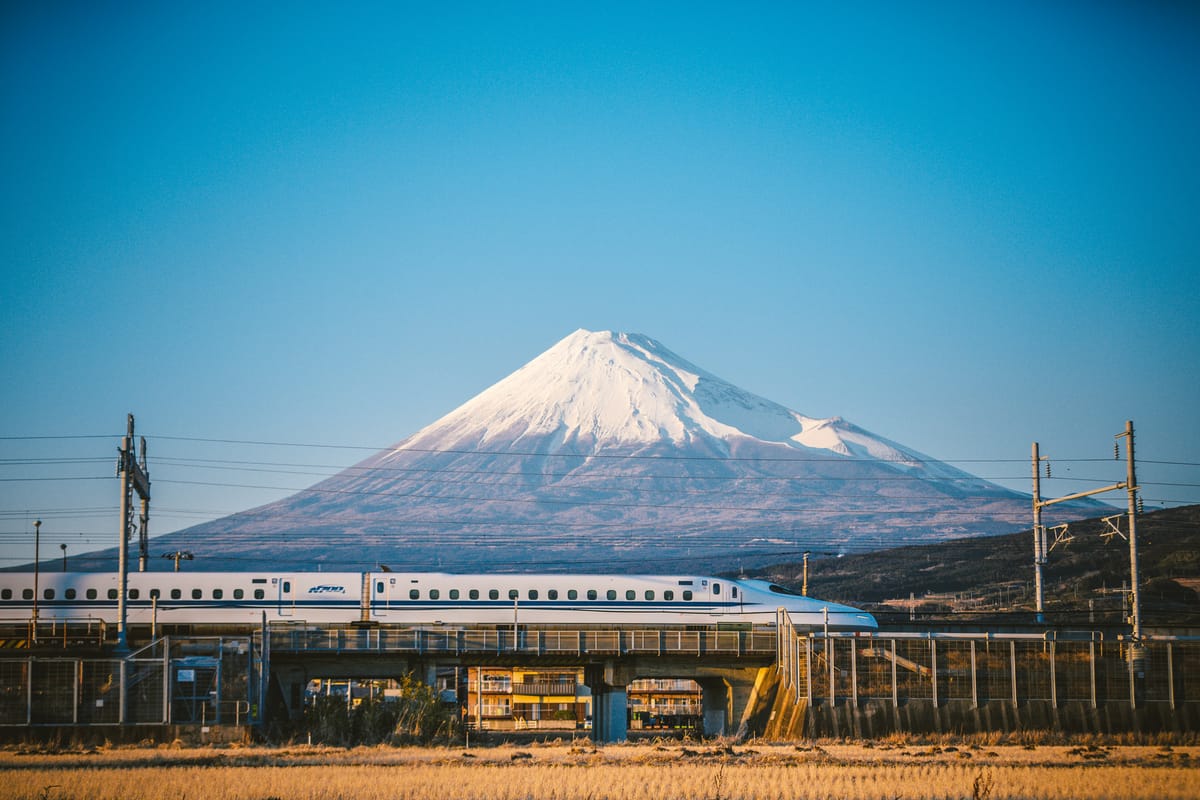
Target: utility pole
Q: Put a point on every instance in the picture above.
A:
(1039, 533)
(1039, 539)
(1135, 601)
(37, 542)
(179, 555)
(804, 586)
(134, 476)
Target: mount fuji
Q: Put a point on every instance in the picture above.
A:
(608, 452)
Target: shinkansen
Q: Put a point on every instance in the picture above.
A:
(239, 598)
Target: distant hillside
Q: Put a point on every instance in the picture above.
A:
(995, 573)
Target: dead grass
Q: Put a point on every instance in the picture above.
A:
(581, 771)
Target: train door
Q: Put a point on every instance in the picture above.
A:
(716, 597)
(382, 589)
(286, 596)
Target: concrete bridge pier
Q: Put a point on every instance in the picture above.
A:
(609, 684)
(728, 697)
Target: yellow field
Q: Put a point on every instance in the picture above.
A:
(622, 772)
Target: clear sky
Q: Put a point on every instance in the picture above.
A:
(962, 226)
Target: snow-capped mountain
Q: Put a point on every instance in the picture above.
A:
(610, 452)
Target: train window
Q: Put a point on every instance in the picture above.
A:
(218, 594)
(198, 594)
(716, 588)
(155, 594)
(5, 594)
(473, 594)
(112, 594)
(533, 594)
(687, 594)
(414, 594)
(591, 594)
(27, 594)
(668, 595)
(238, 594)
(48, 594)
(552, 594)
(259, 594)
(572, 594)
(649, 594)
(733, 591)
(91, 594)
(630, 594)
(512, 594)
(434, 594)
(611, 594)
(178, 593)
(134, 594)
(454, 594)
(379, 587)
(287, 586)
(493, 594)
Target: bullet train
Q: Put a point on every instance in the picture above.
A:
(418, 598)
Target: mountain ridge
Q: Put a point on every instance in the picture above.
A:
(608, 448)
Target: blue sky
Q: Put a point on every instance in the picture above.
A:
(963, 226)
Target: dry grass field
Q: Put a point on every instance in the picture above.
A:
(580, 771)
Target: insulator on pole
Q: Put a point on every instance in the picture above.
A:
(1047, 469)
(1116, 451)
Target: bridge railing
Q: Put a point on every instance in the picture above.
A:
(301, 637)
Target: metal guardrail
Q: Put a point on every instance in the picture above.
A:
(297, 637)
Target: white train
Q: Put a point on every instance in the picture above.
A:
(418, 598)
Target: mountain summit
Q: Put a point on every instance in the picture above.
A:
(610, 452)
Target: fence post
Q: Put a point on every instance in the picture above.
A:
(974, 679)
(1012, 664)
(78, 683)
(895, 686)
(854, 672)
(1170, 676)
(1092, 669)
(829, 655)
(933, 669)
(808, 651)
(1053, 677)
